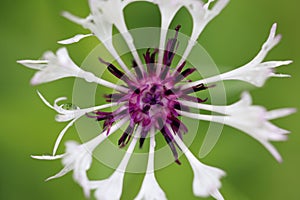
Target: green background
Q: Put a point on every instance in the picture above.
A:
(28, 28)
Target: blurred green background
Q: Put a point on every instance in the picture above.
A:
(28, 28)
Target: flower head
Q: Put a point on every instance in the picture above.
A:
(155, 93)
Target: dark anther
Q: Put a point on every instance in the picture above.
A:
(181, 67)
(169, 92)
(128, 132)
(149, 61)
(153, 101)
(114, 70)
(142, 138)
(184, 74)
(153, 88)
(137, 91)
(187, 72)
(177, 106)
(169, 139)
(178, 162)
(137, 70)
(178, 27)
(202, 100)
(196, 88)
(153, 55)
(146, 108)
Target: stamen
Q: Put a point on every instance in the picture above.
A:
(149, 61)
(197, 88)
(169, 53)
(115, 71)
(169, 139)
(114, 53)
(143, 138)
(163, 35)
(180, 67)
(192, 98)
(128, 132)
(138, 71)
(184, 74)
(125, 160)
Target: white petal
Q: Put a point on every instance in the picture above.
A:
(63, 172)
(255, 72)
(74, 39)
(61, 135)
(201, 15)
(45, 101)
(168, 10)
(272, 150)
(34, 64)
(48, 157)
(111, 188)
(206, 178)
(85, 22)
(81, 158)
(248, 118)
(274, 114)
(150, 189)
(59, 66)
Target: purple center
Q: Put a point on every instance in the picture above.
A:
(152, 99)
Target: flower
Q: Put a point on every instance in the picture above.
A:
(206, 178)
(79, 158)
(153, 98)
(114, 184)
(150, 188)
(54, 67)
(253, 120)
(255, 72)
(69, 112)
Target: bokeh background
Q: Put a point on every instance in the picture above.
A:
(28, 28)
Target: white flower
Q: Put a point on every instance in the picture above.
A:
(111, 188)
(54, 67)
(74, 39)
(67, 115)
(150, 189)
(78, 158)
(201, 14)
(253, 120)
(206, 178)
(256, 72)
(152, 99)
(104, 15)
(74, 112)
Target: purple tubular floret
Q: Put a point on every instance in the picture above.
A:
(143, 138)
(170, 141)
(126, 135)
(184, 74)
(152, 101)
(138, 71)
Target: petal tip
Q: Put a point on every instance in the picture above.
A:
(34, 81)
